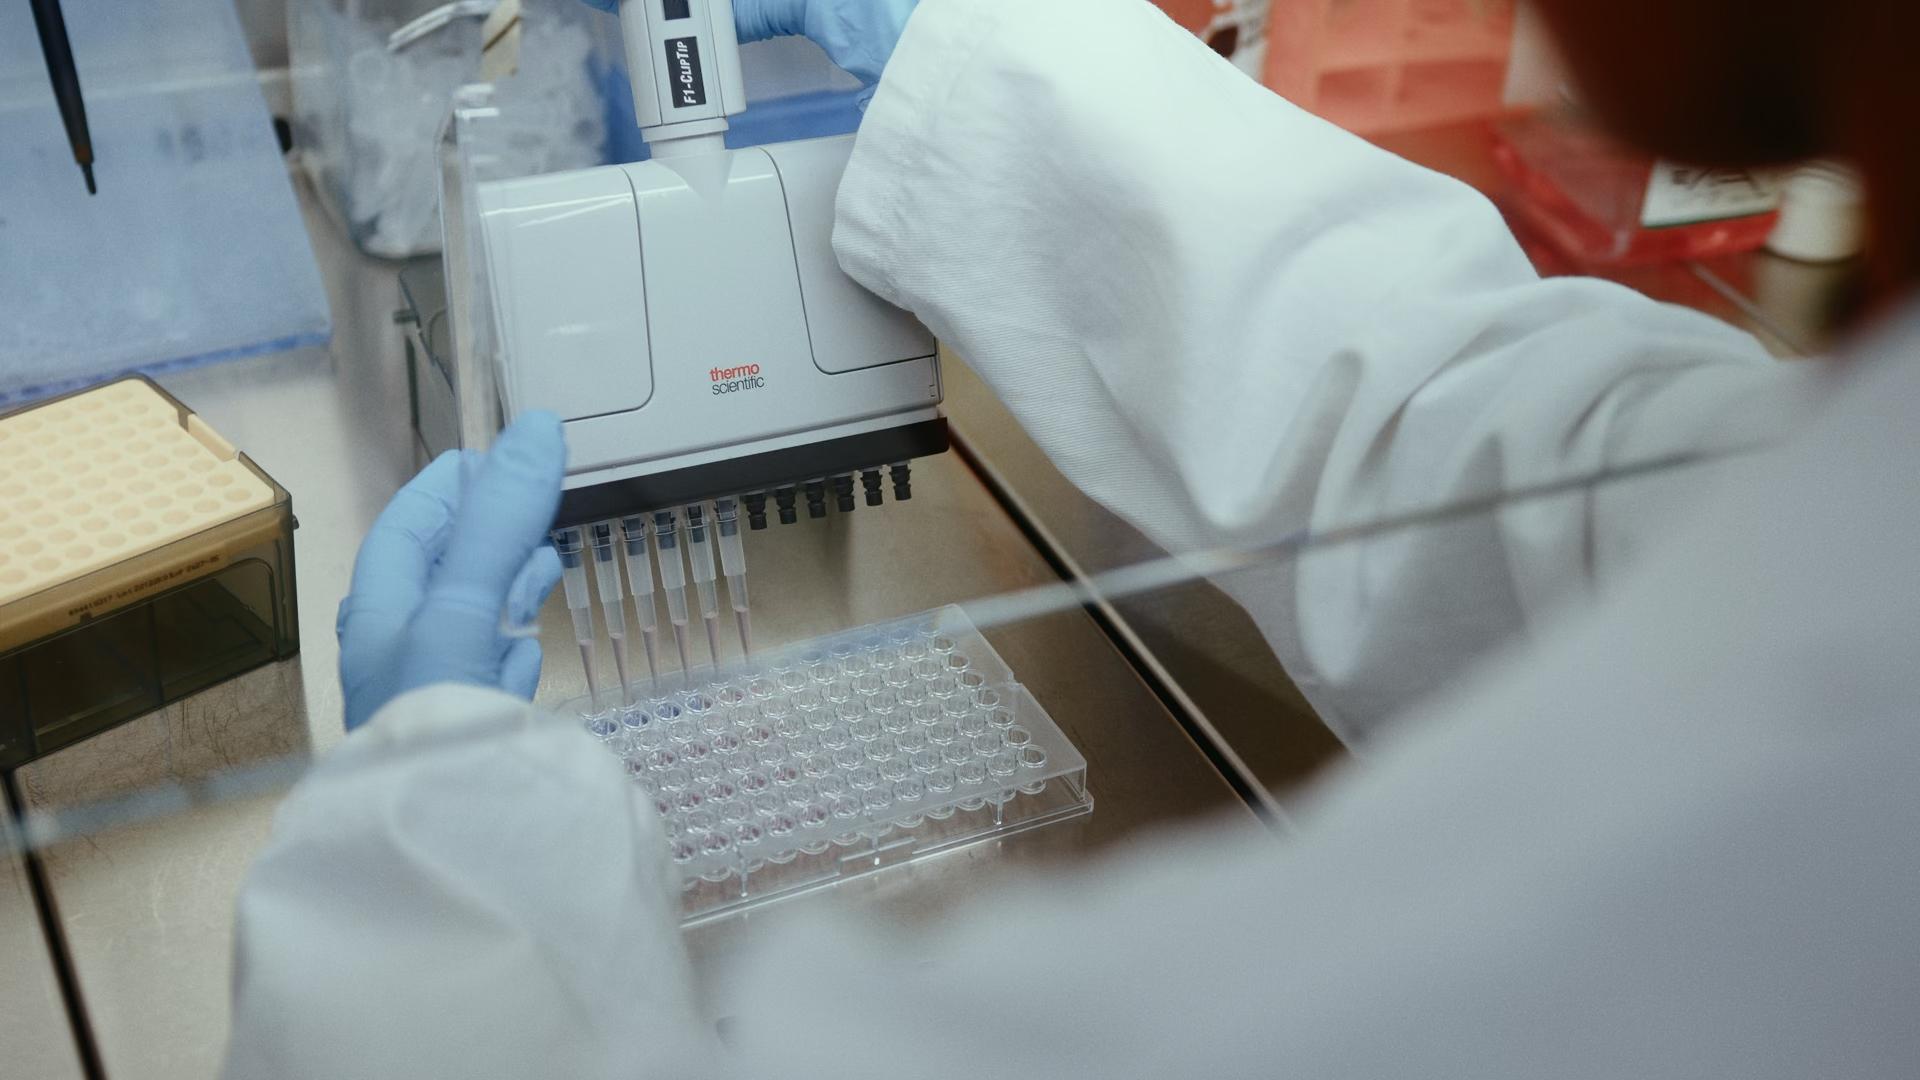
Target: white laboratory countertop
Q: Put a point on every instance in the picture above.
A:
(147, 908)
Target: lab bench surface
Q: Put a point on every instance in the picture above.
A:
(146, 908)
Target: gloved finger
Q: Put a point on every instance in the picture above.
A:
(520, 670)
(860, 37)
(505, 513)
(391, 572)
(533, 585)
(758, 20)
(410, 533)
(603, 5)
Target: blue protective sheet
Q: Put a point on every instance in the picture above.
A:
(193, 252)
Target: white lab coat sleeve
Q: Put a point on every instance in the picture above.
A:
(464, 888)
(1226, 320)
(1671, 838)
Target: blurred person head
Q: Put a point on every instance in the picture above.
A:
(1765, 82)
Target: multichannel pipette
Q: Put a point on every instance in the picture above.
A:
(673, 580)
(633, 531)
(613, 602)
(700, 555)
(733, 563)
(573, 566)
(820, 394)
(824, 384)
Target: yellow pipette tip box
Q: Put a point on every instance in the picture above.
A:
(142, 559)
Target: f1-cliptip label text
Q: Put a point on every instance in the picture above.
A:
(684, 75)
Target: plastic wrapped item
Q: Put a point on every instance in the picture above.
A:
(1599, 204)
(838, 757)
(192, 252)
(1373, 66)
(367, 115)
(142, 559)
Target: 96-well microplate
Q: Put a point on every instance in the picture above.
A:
(837, 757)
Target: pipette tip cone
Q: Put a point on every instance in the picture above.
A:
(86, 170)
(680, 643)
(744, 622)
(713, 640)
(586, 664)
(653, 658)
(620, 666)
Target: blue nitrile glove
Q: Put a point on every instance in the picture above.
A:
(858, 35)
(442, 563)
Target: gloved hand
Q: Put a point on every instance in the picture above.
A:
(441, 564)
(858, 35)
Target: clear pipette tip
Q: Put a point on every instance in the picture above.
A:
(637, 544)
(613, 600)
(620, 667)
(586, 664)
(733, 565)
(673, 583)
(713, 640)
(744, 622)
(680, 642)
(649, 642)
(568, 543)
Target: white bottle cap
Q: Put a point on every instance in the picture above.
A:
(1822, 214)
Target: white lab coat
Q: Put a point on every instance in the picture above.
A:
(1671, 833)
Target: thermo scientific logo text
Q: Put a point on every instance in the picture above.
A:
(734, 380)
